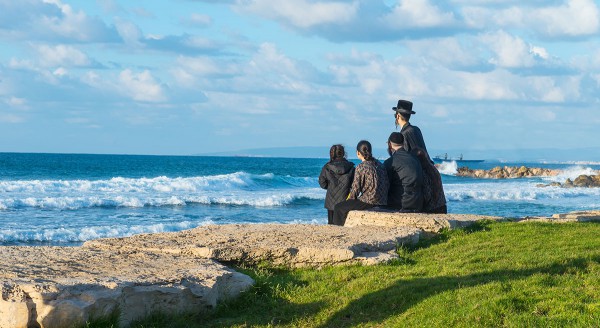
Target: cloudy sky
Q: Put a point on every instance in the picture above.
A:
(189, 77)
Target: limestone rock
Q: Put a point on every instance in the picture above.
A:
(582, 181)
(289, 245)
(66, 286)
(579, 216)
(426, 222)
(506, 172)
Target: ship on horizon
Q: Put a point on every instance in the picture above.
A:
(445, 158)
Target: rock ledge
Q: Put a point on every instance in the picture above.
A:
(67, 286)
(288, 245)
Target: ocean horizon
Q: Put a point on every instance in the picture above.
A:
(67, 199)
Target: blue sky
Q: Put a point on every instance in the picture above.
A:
(189, 77)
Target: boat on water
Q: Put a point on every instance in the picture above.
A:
(445, 158)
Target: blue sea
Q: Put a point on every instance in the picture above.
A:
(66, 199)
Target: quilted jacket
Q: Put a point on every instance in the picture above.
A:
(336, 177)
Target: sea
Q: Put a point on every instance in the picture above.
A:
(67, 199)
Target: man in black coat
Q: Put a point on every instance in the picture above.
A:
(406, 177)
(413, 138)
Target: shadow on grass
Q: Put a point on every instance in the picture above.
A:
(445, 234)
(376, 307)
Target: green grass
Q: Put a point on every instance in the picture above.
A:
(492, 275)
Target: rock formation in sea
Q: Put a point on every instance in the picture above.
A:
(506, 172)
(582, 181)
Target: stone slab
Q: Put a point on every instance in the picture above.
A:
(289, 245)
(579, 216)
(427, 222)
(67, 286)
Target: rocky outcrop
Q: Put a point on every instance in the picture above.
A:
(582, 181)
(506, 172)
(66, 286)
(427, 222)
(303, 245)
(577, 216)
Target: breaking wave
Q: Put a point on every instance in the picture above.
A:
(238, 188)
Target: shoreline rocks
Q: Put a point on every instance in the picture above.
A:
(66, 286)
(506, 172)
(576, 216)
(430, 223)
(298, 245)
(582, 181)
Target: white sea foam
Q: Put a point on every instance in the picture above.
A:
(231, 181)
(571, 162)
(514, 191)
(572, 173)
(73, 234)
(230, 189)
(448, 168)
(257, 199)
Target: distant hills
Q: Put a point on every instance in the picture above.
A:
(591, 154)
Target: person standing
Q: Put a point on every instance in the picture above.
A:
(369, 187)
(336, 176)
(406, 177)
(413, 137)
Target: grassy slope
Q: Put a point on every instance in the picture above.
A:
(498, 274)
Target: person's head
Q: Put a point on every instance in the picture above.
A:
(364, 150)
(403, 110)
(337, 152)
(395, 142)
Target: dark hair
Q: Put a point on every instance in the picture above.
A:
(405, 116)
(365, 150)
(421, 155)
(336, 152)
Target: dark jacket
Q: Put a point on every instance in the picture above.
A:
(406, 181)
(337, 178)
(413, 137)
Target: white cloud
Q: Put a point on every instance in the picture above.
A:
(141, 86)
(61, 55)
(72, 24)
(448, 52)
(301, 13)
(17, 102)
(198, 20)
(418, 13)
(511, 51)
(61, 71)
(575, 18)
(129, 32)
(11, 118)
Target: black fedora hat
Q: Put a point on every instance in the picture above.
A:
(404, 106)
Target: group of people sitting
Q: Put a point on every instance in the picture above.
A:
(407, 181)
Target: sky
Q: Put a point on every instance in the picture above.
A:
(187, 77)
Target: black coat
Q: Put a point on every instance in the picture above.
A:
(336, 177)
(413, 137)
(406, 181)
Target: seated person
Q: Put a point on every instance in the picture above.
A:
(369, 187)
(434, 199)
(336, 176)
(406, 177)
